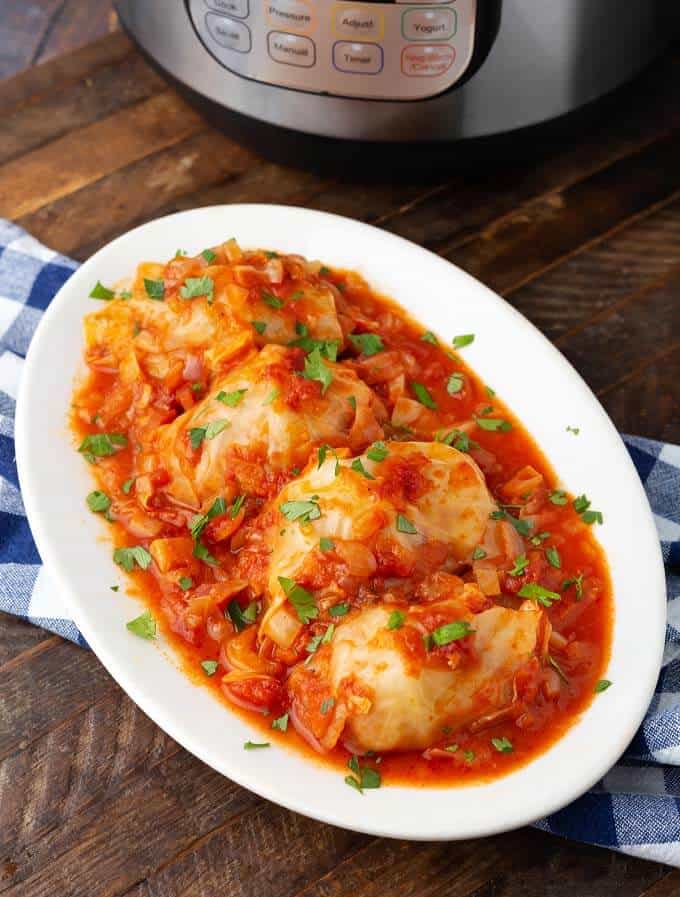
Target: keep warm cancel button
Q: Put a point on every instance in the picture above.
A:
(421, 61)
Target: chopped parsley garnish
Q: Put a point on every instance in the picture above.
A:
(128, 557)
(200, 521)
(493, 424)
(303, 511)
(323, 638)
(215, 427)
(357, 466)
(155, 289)
(478, 553)
(271, 300)
(254, 745)
(209, 667)
(364, 776)
(602, 685)
(198, 286)
(523, 527)
(577, 582)
(326, 544)
(539, 594)
(469, 756)
(185, 583)
(558, 497)
(126, 294)
(502, 745)
(538, 538)
(327, 705)
(429, 337)
(463, 340)
(232, 399)
(553, 557)
(396, 619)
(327, 347)
(209, 256)
(591, 517)
(451, 748)
(298, 294)
(581, 504)
(197, 387)
(270, 254)
(422, 393)
(405, 526)
(451, 632)
(202, 553)
(114, 588)
(321, 454)
(196, 437)
(574, 430)
(302, 600)
(242, 617)
(315, 369)
(98, 502)
(521, 564)
(274, 394)
(353, 402)
(367, 343)
(237, 505)
(260, 326)
(281, 723)
(458, 439)
(99, 291)
(490, 392)
(144, 626)
(101, 445)
(127, 485)
(339, 610)
(377, 452)
(454, 384)
(324, 270)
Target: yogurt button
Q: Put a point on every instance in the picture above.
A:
(428, 24)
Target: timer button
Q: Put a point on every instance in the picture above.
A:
(428, 24)
(229, 33)
(292, 15)
(421, 61)
(238, 8)
(357, 59)
(291, 49)
(358, 22)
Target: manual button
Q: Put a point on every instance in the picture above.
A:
(358, 22)
(228, 33)
(428, 24)
(291, 49)
(357, 59)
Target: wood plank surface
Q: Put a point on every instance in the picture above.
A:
(581, 234)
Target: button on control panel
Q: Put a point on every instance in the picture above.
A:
(403, 50)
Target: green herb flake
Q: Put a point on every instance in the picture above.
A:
(198, 286)
(327, 347)
(353, 402)
(377, 452)
(602, 685)
(236, 506)
(155, 289)
(523, 527)
(537, 593)
(196, 437)
(364, 776)
(99, 291)
(539, 538)
(259, 326)
(281, 723)
(127, 485)
(553, 557)
(558, 497)
(469, 756)
(302, 600)
(451, 748)
(242, 617)
(185, 583)
(231, 399)
(451, 632)
(577, 582)
(200, 521)
(316, 369)
(454, 384)
(101, 445)
(209, 667)
(326, 544)
(405, 526)
(126, 294)
(255, 745)
(324, 269)
(98, 502)
(274, 394)
(302, 511)
(270, 254)
(271, 300)
(144, 626)
(478, 553)
(493, 424)
(327, 705)
(201, 552)
(574, 430)
(464, 339)
(367, 343)
(502, 745)
(521, 564)
(339, 610)
(209, 256)
(358, 467)
(114, 588)
(490, 392)
(396, 619)
(215, 427)
(127, 558)
(591, 517)
(422, 393)
(429, 337)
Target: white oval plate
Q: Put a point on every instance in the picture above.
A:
(509, 354)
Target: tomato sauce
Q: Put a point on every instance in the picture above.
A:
(559, 552)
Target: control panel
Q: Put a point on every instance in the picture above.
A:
(402, 50)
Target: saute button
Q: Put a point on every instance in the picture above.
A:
(358, 22)
(228, 33)
(420, 61)
(428, 24)
(291, 49)
(238, 8)
(293, 15)
(362, 59)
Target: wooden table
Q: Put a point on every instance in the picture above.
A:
(583, 237)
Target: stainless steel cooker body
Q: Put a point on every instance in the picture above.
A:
(401, 71)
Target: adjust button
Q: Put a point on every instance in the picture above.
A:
(238, 8)
(228, 33)
(428, 24)
(358, 21)
(291, 49)
(357, 59)
(421, 61)
(293, 15)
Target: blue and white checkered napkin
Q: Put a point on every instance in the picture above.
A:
(635, 808)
